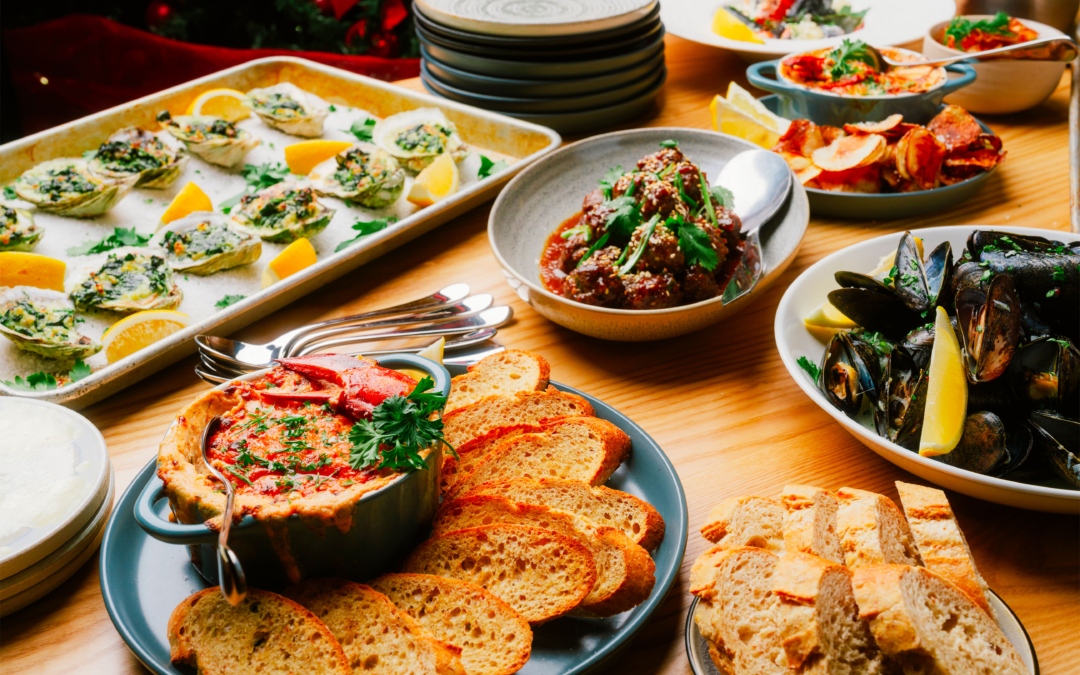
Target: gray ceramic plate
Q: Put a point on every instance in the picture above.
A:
(532, 18)
(143, 579)
(697, 649)
(543, 196)
(559, 54)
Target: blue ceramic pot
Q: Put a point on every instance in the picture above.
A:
(799, 102)
(387, 523)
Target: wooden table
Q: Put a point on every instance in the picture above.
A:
(719, 401)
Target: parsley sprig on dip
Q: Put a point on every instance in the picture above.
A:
(399, 429)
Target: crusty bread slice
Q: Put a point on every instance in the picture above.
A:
(602, 505)
(624, 570)
(819, 619)
(265, 634)
(377, 636)
(470, 454)
(747, 521)
(810, 522)
(940, 541)
(737, 610)
(540, 573)
(872, 530)
(929, 625)
(493, 638)
(525, 407)
(500, 374)
(587, 449)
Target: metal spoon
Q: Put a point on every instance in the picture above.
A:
(230, 573)
(1050, 48)
(760, 180)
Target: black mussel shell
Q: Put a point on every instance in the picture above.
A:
(982, 448)
(1009, 241)
(863, 281)
(995, 396)
(1031, 324)
(989, 328)
(875, 311)
(1021, 464)
(898, 413)
(1058, 438)
(849, 373)
(939, 266)
(919, 343)
(910, 280)
(1045, 375)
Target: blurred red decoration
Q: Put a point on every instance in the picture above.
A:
(342, 6)
(393, 13)
(383, 44)
(356, 33)
(158, 13)
(327, 7)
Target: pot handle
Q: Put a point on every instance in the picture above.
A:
(162, 529)
(763, 76)
(966, 74)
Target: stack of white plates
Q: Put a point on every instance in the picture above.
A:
(56, 494)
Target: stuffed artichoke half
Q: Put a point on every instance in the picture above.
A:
(204, 243)
(283, 213)
(289, 108)
(364, 174)
(18, 231)
(43, 322)
(66, 187)
(134, 151)
(417, 137)
(131, 279)
(215, 140)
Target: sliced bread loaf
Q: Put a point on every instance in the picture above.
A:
(624, 570)
(819, 619)
(540, 573)
(872, 530)
(265, 633)
(587, 449)
(602, 505)
(500, 374)
(470, 454)
(929, 625)
(525, 407)
(377, 637)
(941, 544)
(493, 638)
(810, 522)
(747, 521)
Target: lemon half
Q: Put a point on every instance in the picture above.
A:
(142, 329)
(224, 103)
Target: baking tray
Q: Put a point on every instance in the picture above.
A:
(491, 134)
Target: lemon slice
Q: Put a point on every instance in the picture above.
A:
(726, 25)
(303, 157)
(295, 257)
(729, 119)
(142, 329)
(224, 103)
(435, 183)
(30, 269)
(745, 101)
(434, 351)
(190, 199)
(947, 391)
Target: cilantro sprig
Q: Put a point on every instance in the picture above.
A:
(399, 429)
(9, 192)
(362, 129)
(120, 236)
(365, 228)
(846, 55)
(258, 178)
(47, 381)
(227, 300)
(810, 367)
(959, 28)
(490, 168)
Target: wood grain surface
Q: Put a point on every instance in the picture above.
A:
(719, 401)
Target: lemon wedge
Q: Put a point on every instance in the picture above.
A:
(947, 391)
(435, 183)
(434, 351)
(190, 199)
(30, 269)
(827, 320)
(886, 263)
(141, 329)
(729, 119)
(295, 257)
(305, 156)
(224, 103)
(745, 101)
(727, 25)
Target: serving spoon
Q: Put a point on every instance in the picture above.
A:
(230, 573)
(1050, 48)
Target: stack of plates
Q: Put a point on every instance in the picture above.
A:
(572, 65)
(56, 494)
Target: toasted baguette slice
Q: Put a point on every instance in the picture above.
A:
(929, 625)
(587, 449)
(872, 530)
(810, 522)
(624, 570)
(540, 573)
(819, 619)
(941, 544)
(737, 611)
(470, 454)
(500, 374)
(265, 633)
(377, 636)
(602, 505)
(493, 638)
(747, 521)
(525, 407)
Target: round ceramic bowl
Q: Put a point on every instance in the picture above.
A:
(551, 190)
(799, 102)
(793, 340)
(1002, 86)
(386, 522)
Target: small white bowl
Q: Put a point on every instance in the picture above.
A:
(1002, 86)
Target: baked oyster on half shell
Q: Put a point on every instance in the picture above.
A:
(18, 231)
(66, 187)
(43, 322)
(288, 108)
(134, 151)
(216, 140)
(203, 243)
(415, 138)
(131, 279)
(282, 213)
(365, 174)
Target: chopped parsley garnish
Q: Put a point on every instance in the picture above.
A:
(258, 178)
(810, 367)
(227, 300)
(846, 55)
(878, 341)
(120, 237)
(490, 168)
(9, 192)
(365, 228)
(399, 429)
(362, 129)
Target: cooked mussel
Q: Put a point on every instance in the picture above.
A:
(982, 447)
(918, 284)
(898, 414)
(1058, 438)
(989, 328)
(849, 373)
(1045, 374)
(873, 305)
(919, 343)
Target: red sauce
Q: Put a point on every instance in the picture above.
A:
(554, 255)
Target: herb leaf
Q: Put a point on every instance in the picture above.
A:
(722, 196)
(365, 228)
(599, 243)
(810, 367)
(362, 129)
(79, 371)
(490, 168)
(846, 54)
(696, 247)
(9, 192)
(229, 300)
(669, 144)
(625, 216)
(608, 181)
(959, 28)
(33, 382)
(399, 429)
(119, 237)
(258, 178)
